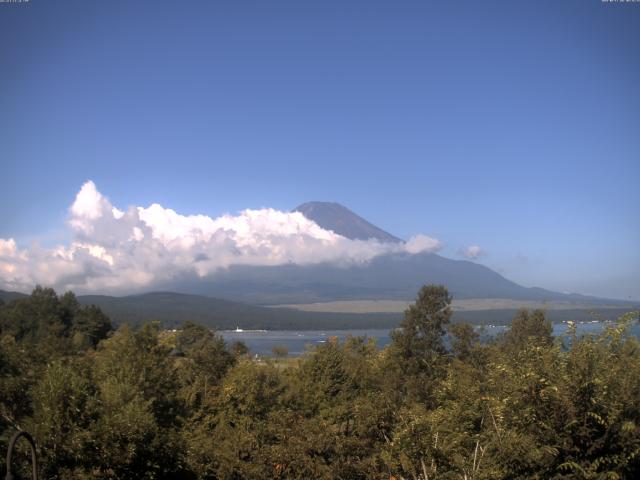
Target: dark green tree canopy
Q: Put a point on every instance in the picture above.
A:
(45, 316)
(424, 323)
(529, 328)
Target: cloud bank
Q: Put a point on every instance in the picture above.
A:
(123, 251)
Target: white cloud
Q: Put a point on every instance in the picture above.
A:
(422, 243)
(474, 252)
(117, 251)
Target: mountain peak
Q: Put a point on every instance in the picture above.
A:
(338, 218)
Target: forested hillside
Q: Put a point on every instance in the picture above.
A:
(147, 403)
(172, 309)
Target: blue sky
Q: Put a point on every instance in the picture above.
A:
(514, 126)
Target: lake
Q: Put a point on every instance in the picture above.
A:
(261, 342)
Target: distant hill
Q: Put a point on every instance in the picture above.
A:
(396, 276)
(172, 309)
(8, 296)
(341, 220)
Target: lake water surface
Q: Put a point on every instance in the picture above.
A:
(298, 342)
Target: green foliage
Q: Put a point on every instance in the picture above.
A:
(280, 351)
(529, 328)
(52, 324)
(91, 325)
(146, 403)
(239, 348)
(417, 349)
(424, 323)
(64, 410)
(464, 341)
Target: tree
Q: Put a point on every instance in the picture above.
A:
(280, 351)
(424, 323)
(206, 354)
(64, 409)
(92, 324)
(239, 348)
(136, 433)
(417, 348)
(36, 317)
(231, 440)
(52, 321)
(16, 377)
(464, 340)
(529, 328)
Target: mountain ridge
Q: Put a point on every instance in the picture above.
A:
(339, 219)
(396, 276)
